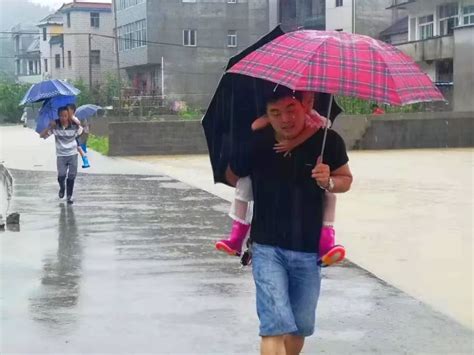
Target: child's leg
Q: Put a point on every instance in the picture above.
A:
(328, 251)
(241, 213)
(329, 216)
(85, 160)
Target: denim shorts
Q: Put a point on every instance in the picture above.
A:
(288, 284)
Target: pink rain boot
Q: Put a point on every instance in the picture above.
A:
(233, 245)
(330, 253)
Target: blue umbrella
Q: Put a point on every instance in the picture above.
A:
(49, 110)
(48, 89)
(85, 111)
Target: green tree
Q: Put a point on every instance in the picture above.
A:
(85, 97)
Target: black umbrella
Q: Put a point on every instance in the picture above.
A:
(237, 102)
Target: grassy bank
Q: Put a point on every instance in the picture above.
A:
(99, 144)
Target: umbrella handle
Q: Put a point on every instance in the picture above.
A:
(320, 159)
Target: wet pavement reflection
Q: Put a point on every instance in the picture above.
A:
(131, 268)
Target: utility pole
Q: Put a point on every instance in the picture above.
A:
(90, 63)
(117, 54)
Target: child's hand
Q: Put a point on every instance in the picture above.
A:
(285, 146)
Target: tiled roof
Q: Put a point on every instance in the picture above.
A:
(401, 26)
(52, 19)
(78, 6)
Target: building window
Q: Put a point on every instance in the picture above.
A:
(448, 18)
(44, 34)
(468, 15)
(339, 3)
(232, 1)
(68, 19)
(425, 26)
(45, 65)
(30, 67)
(124, 4)
(232, 38)
(444, 71)
(57, 61)
(69, 58)
(189, 38)
(95, 57)
(132, 35)
(95, 19)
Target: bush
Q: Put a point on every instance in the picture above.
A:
(11, 94)
(354, 106)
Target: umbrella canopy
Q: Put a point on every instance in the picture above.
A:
(237, 102)
(48, 89)
(49, 111)
(85, 111)
(340, 63)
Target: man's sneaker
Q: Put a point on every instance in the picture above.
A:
(61, 193)
(70, 200)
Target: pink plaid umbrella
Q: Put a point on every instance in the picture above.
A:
(340, 63)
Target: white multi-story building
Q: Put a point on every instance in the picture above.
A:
(367, 17)
(441, 40)
(50, 26)
(77, 42)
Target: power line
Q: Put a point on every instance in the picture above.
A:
(125, 39)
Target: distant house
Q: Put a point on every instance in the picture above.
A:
(77, 42)
(27, 54)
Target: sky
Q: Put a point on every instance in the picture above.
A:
(56, 4)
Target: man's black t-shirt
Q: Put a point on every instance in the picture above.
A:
(288, 204)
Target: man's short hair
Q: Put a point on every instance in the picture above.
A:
(61, 109)
(275, 92)
(72, 107)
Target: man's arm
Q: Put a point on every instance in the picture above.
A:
(341, 177)
(45, 133)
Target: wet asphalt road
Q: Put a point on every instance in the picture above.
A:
(130, 268)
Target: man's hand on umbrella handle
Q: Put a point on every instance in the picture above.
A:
(321, 174)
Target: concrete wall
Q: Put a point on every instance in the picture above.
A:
(429, 49)
(463, 72)
(390, 131)
(149, 138)
(421, 130)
